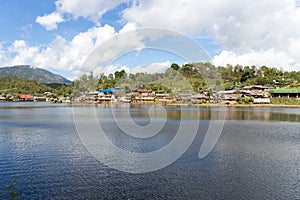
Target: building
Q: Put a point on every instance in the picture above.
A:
(127, 98)
(2, 98)
(26, 97)
(143, 96)
(200, 98)
(262, 101)
(93, 96)
(39, 97)
(285, 93)
(107, 96)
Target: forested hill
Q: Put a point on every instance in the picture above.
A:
(200, 76)
(37, 74)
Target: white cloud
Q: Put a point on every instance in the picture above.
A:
(64, 55)
(128, 27)
(73, 9)
(260, 58)
(151, 68)
(112, 49)
(247, 32)
(50, 21)
(90, 9)
(61, 54)
(239, 26)
(24, 54)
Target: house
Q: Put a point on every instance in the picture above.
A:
(2, 98)
(93, 96)
(39, 97)
(143, 96)
(285, 93)
(26, 97)
(165, 98)
(256, 87)
(200, 98)
(227, 94)
(262, 101)
(127, 98)
(107, 95)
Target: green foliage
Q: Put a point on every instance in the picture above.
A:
(285, 101)
(110, 81)
(14, 85)
(245, 100)
(190, 76)
(37, 74)
(175, 66)
(197, 76)
(12, 192)
(158, 88)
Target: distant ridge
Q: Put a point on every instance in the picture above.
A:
(37, 74)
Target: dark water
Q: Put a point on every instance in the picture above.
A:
(256, 157)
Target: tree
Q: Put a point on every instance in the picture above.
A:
(175, 66)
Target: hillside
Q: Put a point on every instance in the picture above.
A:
(37, 74)
(14, 85)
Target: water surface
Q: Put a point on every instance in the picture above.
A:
(256, 157)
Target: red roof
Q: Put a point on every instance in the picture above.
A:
(144, 91)
(26, 96)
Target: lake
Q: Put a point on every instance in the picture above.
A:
(257, 155)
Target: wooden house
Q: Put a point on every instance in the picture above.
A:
(26, 97)
(285, 93)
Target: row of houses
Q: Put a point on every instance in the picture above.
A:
(258, 95)
(21, 97)
(136, 96)
(47, 96)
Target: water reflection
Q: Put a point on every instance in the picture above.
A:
(231, 113)
(172, 112)
(256, 157)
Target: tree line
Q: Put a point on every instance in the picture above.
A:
(195, 76)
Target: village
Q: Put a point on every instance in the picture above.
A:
(254, 94)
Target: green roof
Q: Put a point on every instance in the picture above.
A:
(284, 91)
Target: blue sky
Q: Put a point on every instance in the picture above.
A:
(59, 35)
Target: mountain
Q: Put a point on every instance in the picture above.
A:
(37, 74)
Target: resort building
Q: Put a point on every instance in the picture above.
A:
(107, 96)
(26, 97)
(285, 93)
(143, 96)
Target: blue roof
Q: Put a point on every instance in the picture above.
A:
(111, 90)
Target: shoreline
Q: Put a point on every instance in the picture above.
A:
(238, 105)
(172, 105)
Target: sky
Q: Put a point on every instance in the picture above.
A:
(60, 35)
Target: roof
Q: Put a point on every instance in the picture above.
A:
(26, 96)
(261, 87)
(111, 90)
(143, 91)
(284, 91)
(200, 96)
(227, 92)
(232, 96)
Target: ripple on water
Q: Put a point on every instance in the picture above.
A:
(253, 159)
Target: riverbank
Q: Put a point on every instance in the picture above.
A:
(167, 105)
(237, 105)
